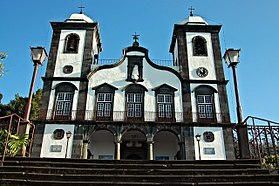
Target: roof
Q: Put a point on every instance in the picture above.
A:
(80, 18)
(193, 20)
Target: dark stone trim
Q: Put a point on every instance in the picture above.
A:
(103, 85)
(63, 87)
(135, 88)
(154, 123)
(224, 106)
(192, 28)
(182, 53)
(210, 89)
(82, 79)
(188, 134)
(73, 26)
(87, 56)
(186, 103)
(165, 86)
(82, 98)
(53, 53)
(217, 57)
(223, 98)
(228, 143)
(207, 81)
(45, 99)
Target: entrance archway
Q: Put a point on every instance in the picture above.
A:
(134, 146)
(101, 145)
(166, 146)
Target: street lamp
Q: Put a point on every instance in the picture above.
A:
(231, 57)
(38, 55)
(198, 138)
(68, 135)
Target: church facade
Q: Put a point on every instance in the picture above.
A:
(134, 108)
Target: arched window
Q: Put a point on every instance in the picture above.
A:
(199, 46)
(205, 103)
(71, 43)
(135, 101)
(104, 101)
(64, 94)
(165, 102)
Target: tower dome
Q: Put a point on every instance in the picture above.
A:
(193, 20)
(80, 18)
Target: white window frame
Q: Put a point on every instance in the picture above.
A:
(165, 105)
(134, 104)
(104, 104)
(64, 102)
(205, 106)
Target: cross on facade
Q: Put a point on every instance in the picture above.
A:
(191, 9)
(81, 9)
(136, 37)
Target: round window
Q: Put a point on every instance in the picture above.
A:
(58, 134)
(208, 136)
(68, 69)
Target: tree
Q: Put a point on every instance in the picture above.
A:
(18, 104)
(2, 57)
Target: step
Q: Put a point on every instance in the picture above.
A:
(22, 182)
(139, 178)
(242, 161)
(130, 165)
(166, 171)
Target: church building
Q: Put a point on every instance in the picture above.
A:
(134, 108)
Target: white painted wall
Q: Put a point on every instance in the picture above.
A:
(194, 102)
(74, 59)
(152, 78)
(217, 144)
(101, 143)
(52, 98)
(195, 62)
(48, 140)
(165, 144)
(175, 52)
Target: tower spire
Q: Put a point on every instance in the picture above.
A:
(136, 38)
(81, 9)
(191, 9)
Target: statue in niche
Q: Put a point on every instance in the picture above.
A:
(135, 67)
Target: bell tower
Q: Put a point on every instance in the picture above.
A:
(196, 52)
(75, 46)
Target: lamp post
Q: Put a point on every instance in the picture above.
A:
(231, 57)
(38, 55)
(68, 135)
(198, 138)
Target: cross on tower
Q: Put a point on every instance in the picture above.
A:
(81, 9)
(191, 9)
(136, 37)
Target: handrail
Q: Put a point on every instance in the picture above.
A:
(261, 119)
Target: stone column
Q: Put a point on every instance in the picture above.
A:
(117, 148)
(182, 150)
(150, 150)
(84, 149)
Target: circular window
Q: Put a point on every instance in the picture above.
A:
(208, 136)
(58, 134)
(68, 69)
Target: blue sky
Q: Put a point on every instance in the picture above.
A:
(251, 25)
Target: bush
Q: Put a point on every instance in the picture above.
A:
(14, 144)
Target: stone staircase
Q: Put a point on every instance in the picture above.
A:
(48, 171)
